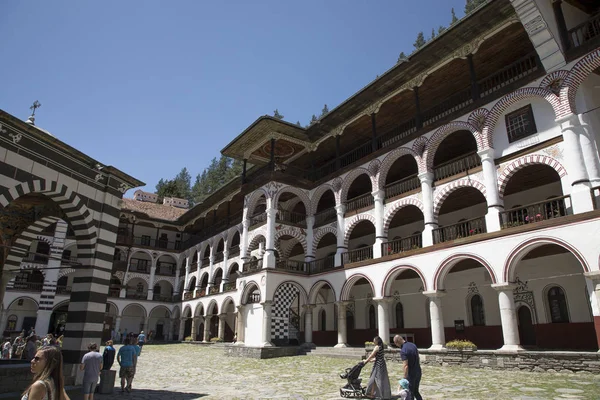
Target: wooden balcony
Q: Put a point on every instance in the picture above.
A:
(584, 36)
(114, 292)
(535, 212)
(254, 298)
(403, 244)
(144, 241)
(234, 251)
(163, 298)
(33, 287)
(362, 254)
(456, 166)
(258, 219)
(291, 266)
(63, 289)
(463, 229)
(188, 296)
(253, 265)
(205, 262)
(214, 289)
(363, 201)
(137, 296)
(402, 186)
(229, 286)
(324, 217)
(291, 218)
(321, 265)
(219, 257)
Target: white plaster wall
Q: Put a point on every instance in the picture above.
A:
(540, 193)
(253, 314)
(407, 292)
(573, 15)
(27, 309)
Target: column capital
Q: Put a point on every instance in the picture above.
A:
(426, 177)
(241, 307)
(267, 303)
(342, 303)
(340, 208)
(222, 316)
(487, 154)
(568, 120)
(310, 219)
(502, 287)
(271, 212)
(383, 300)
(309, 307)
(378, 195)
(434, 294)
(246, 223)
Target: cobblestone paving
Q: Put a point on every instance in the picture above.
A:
(188, 372)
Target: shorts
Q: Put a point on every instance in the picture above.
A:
(127, 372)
(89, 387)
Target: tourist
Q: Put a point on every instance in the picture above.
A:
(411, 364)
(379, 382)
(124, 336)
(48, 380)
(403, 390)
(127, 359)
(47, 340)
(108, 357)
(141, 339)
(118, 336)
(6, 349)
(91, 364)
(30, 348)
(18, 346)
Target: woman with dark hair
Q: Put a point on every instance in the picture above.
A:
(379, 382)
(48, 380)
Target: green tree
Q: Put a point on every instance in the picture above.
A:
(420, 42)
(402, 57)
(441, 30)
(472, 5)
(432, 34)
(313, 119)
(277, 115)
(299, 124)
(454, 19)
(325, 110)
(167, 188)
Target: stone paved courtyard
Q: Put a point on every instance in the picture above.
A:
(187, 372)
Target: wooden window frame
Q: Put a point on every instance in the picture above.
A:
(525, 112)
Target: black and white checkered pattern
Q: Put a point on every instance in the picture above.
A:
(283, 298)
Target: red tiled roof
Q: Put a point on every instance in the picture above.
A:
(153, 210)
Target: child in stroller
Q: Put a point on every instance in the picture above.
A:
(353, 388)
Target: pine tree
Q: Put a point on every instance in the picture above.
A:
(420, 42)
(402, 57)
(167, 188)
(454, 19)
(183, 182)
(432, 34)
(472, 5)
(277, 115)
(313, 119)
(325, 110)
(441, 30)
(299, 124)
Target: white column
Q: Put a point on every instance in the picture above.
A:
(589, 146)
(340, 209)
(494, 204)
(117, 323)
(225, 265)
(206, 335)
(240, 328)
(572, 131)
(342, 334)
(211, 267)
(3, 320)
(427, 192)
(269, 258)
(592, 280)
(308, 328)
(383, 318)
(508, 317)
(42, 321)
(310, 252)
(146, 322)
(152, 274)
(438, 337)
(244, 239)
(221, 330)
(194, 327)
(181, 335)
(379, 197)
(169, 326)
(266, 324)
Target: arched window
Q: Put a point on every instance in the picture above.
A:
(399, 316)
(372, 317)
(322, 320)
(11, 323)
(349, 320)
(156, 289)
(557, 304)
(140, 287)
(477, 313)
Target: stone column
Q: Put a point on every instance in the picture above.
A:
(310, 252)
(146, 322)
(383, 316)
(239, 323)
(572, 131)
(308, 328)
(222, 322)
(206, 335)
(181, 335)
(211, 267)
(194, 328)
(42, 321)
(170, 323)
(117, 323)
(225, 265)
(589, 147)
(508, 317)
(427, 192)
(186, 279)
(494, 204)
(244, 239)
(438, 337)
(340, 210)
(151, 282)
(269, 258)
(266, 325)
(176, 288)
(342, 334)
(3, 320)
(593, 283)
(379, 197)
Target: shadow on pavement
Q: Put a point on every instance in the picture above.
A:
(136, 394)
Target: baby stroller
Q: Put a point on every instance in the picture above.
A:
(353, 388)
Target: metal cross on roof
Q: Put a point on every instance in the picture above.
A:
(35, 106)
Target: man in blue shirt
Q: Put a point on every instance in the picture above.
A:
(141, 340)
(127, 359)
(411, 365)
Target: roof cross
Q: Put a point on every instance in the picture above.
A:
(35, 106)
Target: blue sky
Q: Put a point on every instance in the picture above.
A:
(152, 86)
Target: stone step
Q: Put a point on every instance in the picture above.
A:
(351, 353)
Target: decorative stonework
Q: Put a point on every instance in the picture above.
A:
(123, 187)
(554, 81)
(320, 232)
(16, 137)
(349, 178)
(395, 207)
(272, 188)
(534, 26)
(554, 151)
(451, 187)
(522, 295)
(442, 133)
(390, 159)
(478, 117)
(508, 170)
(353, 222)
(472, 289)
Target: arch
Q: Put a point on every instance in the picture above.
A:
(451, 187)
(293, 232)
(396, 206)
(187, 309)
(390, 159)
(226, 302)
(199, 309)
(294, 190)
(521, 250)
(230, 268)
(350, 177)
(138, 250)
(317, 194)
(512, 98)
(255, 240)
(249, 287)
(203, 277)
(231, 234)
(212, 308)
(160, 307)
(444, 268)
(301, 290)
(345, 294)
(353, 222)
(189, 285)
(133, 305)
(161, 255)
(23, 298)
(252, 200)
(393, 273)
(442, 133)
(532, 159)
(320, 233)
(314, 290)
(574, 79)
(563, 309)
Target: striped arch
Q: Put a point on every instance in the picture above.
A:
(320, 233)
(298, 192)
(316, 196)
(353, 222)
(351, 177)
(391, 158)
(316, 287)
(65, 272)
(212, 308)
(505, 102)
(451, 187)
(395, 207)
(577, 75)
(442, 133)
(167, 279)
(22, 243)
(171, 256)
(139, 250)
(211, 279)
(393, 274)
(144, 277)
(446, 265)
(252, 200)
(349, 284)
(532, 159)
(523, 248)
(255, 239)
(250, 287)
(226, 302)
(230, 267)
(201, 278)
(108, 302)
(293, 233)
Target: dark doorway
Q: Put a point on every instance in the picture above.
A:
(159, 332)
(526, 329)
(187, 329)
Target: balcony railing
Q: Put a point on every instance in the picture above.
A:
(205, 262)
(194, 266)
(114, 292)
(362, 254)
(253, 265)
(291, 265)
(324, 217)
(362, 201)
(456, 166)
(148, 242)
(63, 289)
(535, 212)
(254, 298)
(234, 251)
(516, 71)
(321, 265)
(403, 244)
(449, 106)
(459, 230)
(402, 186)
(137, 265)
(163, 298)
(214, 289)
(596, 197)
(229, 286)
(137, 295)
(397, 134)
(26, 286)
(293, 218)
(356, 154)
(584, 32)
(258, 219)
(219, 257)
(166, 269)
(201, 292)
(188, 296)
